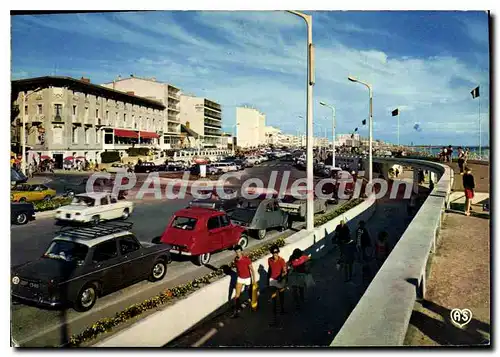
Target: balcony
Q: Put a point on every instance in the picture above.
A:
(212, 125)
(212, 105)
(75, 119)
(173, 108)
(57, 119)
(38, 118)
(212, 114)
(174, 95)
(173, 118)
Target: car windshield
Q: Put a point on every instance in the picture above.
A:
(185, 223)
(83, 201)
(68, 251)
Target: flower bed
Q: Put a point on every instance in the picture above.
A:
(41, 206)
(181, 291)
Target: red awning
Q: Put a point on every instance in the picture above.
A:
(126, 133)
(148, 135)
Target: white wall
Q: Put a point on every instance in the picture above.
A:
(251, 129)
(190, 113)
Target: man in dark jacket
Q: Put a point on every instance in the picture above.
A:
(363, 242)
(469, 186)
(342, 234)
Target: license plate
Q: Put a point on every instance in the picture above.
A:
(34, 285)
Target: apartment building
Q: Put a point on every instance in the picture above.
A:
(67, 117)
(167, 94)
(272, 135)
(250, 127)
(204, 117)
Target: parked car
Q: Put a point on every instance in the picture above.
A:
(259, 215)
(29, 193)
(21, 213)
(17, 177)
(115, 168)
(251, 161)
(100, 185)
(224, 203)
(94, 208)
(147, 167)
(223, 167)
(199, 232)
(297, 207)
(81, 265)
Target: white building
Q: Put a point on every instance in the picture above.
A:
(204, 117)
(250, 128)
(167, 94)
(272, 135)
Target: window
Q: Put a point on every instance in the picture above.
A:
(97, 113)
(114, 200)
(224, 221)
(69, 251)
(185, 223)
(97, 136)
(128, 244)
(25, 110)
(124, 119)
(75, 135)
(40, 109)
(104, 201)
(87, 136)
(57, 110)
(213, 223)
(74, 109)
(105, 251)
(107, 114)
(86, 112)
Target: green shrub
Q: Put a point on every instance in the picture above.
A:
(110, 156)
(137, 151)
(41, 206)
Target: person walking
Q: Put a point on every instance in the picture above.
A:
(381, 248)
(276, 275)
(461, 155)
(299, 268)
(245, 273)
(469, 186)
(348, 257)
(363, 242)
(342, 233)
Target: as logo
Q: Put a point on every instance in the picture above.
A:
(461, 317)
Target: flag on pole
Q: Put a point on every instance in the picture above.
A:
(356, 129)
(475, 92)
(364, 122)
(395, 112)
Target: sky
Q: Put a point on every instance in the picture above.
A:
(424, 63)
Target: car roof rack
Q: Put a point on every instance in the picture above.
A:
(91, 232)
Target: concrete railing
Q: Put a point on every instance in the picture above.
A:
(382, 315)
(162, 327)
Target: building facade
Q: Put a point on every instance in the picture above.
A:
(250, 127)
(66, 117)
(167, 94)
(204, 117)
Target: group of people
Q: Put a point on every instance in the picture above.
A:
(295, 274)
(359, 248)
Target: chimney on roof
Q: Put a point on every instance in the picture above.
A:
(86, 80)
(130, 93)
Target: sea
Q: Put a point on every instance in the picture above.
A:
(473, 152)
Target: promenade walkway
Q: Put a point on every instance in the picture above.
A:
(328, 304)
(459, 276)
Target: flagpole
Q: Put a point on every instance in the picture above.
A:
(398, 127)
(479, 119)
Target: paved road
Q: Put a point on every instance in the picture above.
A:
(32, 326)
(327, 306)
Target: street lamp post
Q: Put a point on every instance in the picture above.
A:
(333, 130)
(309, 142)
(23, 137)
(232, 132)
(370, 127)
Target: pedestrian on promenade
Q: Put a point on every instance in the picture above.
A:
(348, 257)
(381, 248)
(449, 152)
(298, 266)
(342, 233)
(246, 274)
(363, 242)
(461, 155)
(469, 186)
(276, 275)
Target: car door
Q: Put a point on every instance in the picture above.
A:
(278, 215)
(214, 234)
(135, 264)
(226, 232)
(107, 266)
(35, 193)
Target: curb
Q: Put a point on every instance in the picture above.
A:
(45, 214)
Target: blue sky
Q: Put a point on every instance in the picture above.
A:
(425, 63)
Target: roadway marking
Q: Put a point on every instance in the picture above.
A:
(207, 336)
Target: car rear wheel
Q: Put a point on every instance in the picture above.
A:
(261, 233)
(158, 271)
(243, 242)
(21, 218)
(96, 220)
(86, 298)
(22, 199)
(125, 214)
(203, 259)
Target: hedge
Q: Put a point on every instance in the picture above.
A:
(110, 156)
(41, 206)
(138, 151)
(108, 323)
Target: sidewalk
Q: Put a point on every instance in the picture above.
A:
(328, 304)
(459, 278)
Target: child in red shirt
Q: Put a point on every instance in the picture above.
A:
(246, 274)
(276, 275)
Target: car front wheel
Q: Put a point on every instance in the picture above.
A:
(86, 298)
(125, 214)
(158, 271)
(243, 242)
(21, 218)
(261, 234)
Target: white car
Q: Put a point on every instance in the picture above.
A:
(115, 168)
(252, 160)
(93, 208)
